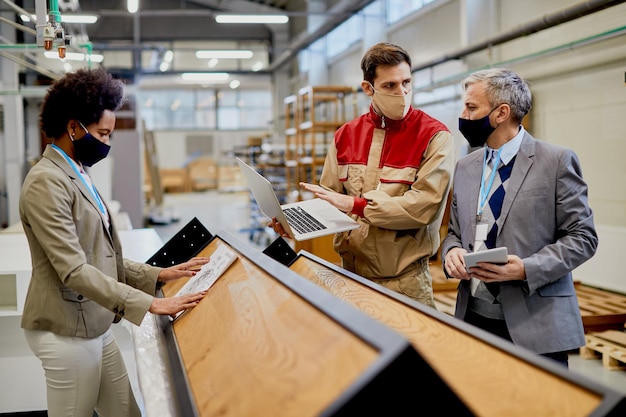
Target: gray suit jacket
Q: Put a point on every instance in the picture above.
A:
(547, 222)
(80, 282)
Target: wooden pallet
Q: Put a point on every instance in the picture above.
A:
(600, 310)
(610, 345)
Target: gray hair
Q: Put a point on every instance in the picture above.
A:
(504, 86)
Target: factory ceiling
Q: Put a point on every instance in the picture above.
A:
(135, 43)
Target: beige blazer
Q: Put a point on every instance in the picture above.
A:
(80, 282)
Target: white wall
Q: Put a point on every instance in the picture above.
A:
(605, 269)
(581, 110)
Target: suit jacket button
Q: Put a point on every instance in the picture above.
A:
(80, 297)
(121, 313)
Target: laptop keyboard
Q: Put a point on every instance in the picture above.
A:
(302, 221)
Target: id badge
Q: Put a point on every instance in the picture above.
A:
(481, 231)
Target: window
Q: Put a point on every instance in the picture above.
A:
(205, 109)
(398, 9)
(344, 36)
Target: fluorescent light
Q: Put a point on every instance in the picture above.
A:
(79, 18)
(132, 6)
(75, 56)
(251, 18)
(213, 62)
(205, 76)
(224, 54)
(66, 18)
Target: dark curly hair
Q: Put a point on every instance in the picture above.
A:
(82, 95)
(383, 53)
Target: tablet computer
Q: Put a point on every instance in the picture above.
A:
(494, 256)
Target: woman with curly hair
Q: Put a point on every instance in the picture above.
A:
(80, 283)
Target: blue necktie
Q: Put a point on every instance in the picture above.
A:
(495, 205)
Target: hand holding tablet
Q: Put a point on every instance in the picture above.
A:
(494, 256)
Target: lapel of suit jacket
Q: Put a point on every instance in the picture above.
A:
(523, 162)
(60, 161)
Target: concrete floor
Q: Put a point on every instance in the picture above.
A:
(232, 212)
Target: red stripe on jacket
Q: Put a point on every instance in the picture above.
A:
(353, 139)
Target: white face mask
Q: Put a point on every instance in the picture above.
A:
(392, 106)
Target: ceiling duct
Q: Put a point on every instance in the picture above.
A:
(339, 14)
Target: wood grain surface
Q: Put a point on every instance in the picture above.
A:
(253, 347)
(490, 381)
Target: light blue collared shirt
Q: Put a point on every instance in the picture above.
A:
(510, 149)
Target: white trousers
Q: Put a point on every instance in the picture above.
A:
(83, 375)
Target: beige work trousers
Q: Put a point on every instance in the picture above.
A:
(83, 375)
(416, 283)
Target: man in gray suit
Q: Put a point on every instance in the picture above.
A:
(542, 217)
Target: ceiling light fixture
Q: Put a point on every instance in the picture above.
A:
(75, 56)
(252, 18)
(224, 54)
(205, 76)
(132, 6)
(66, 18)
(79, 18)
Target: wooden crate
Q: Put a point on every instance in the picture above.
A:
(231, 179)
(203, 174)
(609, 345)
(175, 180)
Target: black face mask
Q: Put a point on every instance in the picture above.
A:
(477, 131)
(89, 150)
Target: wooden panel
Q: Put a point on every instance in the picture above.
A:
(264, 338)
(251, 345)
(492, 376)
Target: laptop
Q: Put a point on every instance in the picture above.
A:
(302, 220)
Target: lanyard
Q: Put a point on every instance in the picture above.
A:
(90, 188)
(484, 190)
